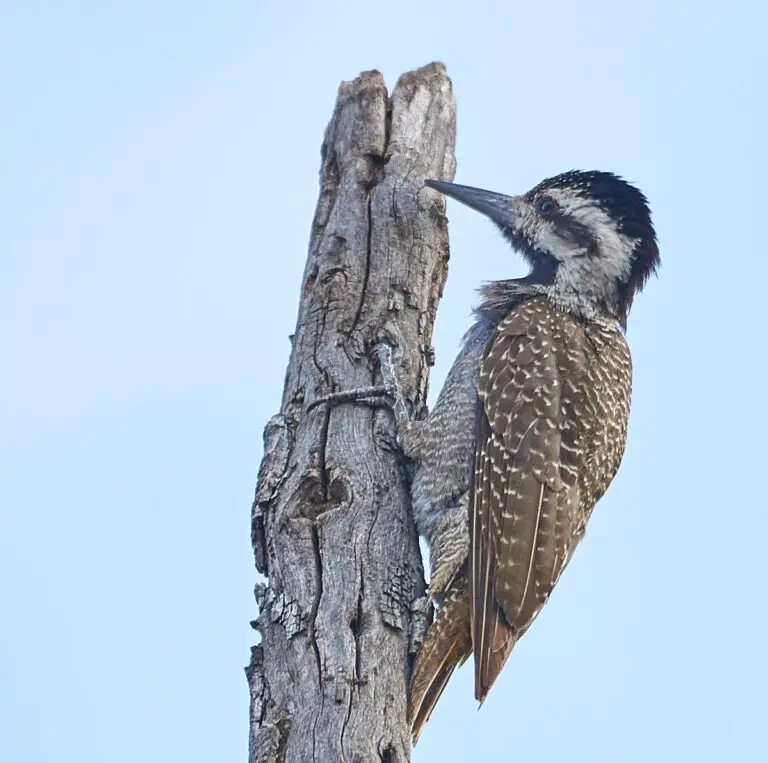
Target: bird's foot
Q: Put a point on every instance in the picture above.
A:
(449, 549)
(383, 352)
(422, 615)
(389, 394)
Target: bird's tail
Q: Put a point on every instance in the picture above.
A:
(498, 640)
(446, 646)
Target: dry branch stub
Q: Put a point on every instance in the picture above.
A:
(331, 528)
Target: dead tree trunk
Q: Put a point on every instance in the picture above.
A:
(332, 529)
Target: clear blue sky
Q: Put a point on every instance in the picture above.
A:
(158, 174)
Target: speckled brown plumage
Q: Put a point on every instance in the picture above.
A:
(554, 396)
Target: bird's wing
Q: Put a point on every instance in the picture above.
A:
(522, 500)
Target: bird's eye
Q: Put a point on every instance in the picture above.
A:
(546, 205)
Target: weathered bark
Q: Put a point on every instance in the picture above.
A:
(332, 528)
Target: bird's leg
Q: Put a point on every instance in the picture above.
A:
(448, 548)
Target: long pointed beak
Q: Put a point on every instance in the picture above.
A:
(501, 209)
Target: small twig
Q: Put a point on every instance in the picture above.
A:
(362, 394)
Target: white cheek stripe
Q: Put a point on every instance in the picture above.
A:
(595, 277)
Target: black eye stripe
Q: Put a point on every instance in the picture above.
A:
(576, 233)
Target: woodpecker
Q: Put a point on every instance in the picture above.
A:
(530, 426)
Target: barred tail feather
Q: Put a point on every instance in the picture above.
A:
(447, 645)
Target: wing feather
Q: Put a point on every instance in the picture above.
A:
(520, 505)
(492, 637)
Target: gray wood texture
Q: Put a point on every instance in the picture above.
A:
(343, 610)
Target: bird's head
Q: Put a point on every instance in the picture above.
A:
(587, 234)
